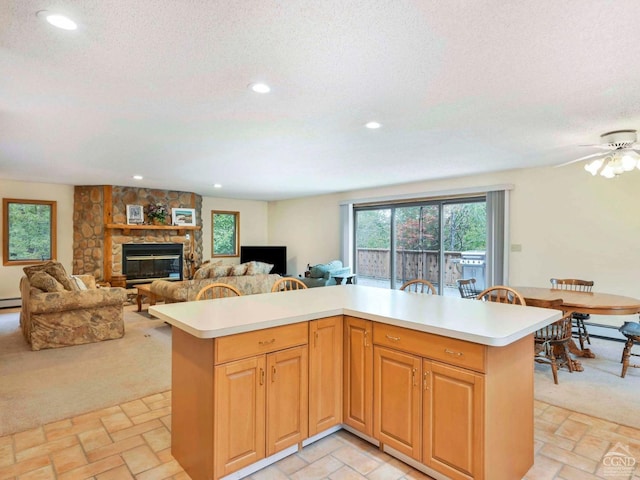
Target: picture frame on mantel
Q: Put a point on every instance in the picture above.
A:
(135, 215)
(183, 216)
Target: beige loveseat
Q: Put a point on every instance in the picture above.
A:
(69, 312)
(249, 278)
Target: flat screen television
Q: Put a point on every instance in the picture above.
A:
(277, 256)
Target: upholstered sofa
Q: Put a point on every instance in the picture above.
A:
(323, 274)
(72, 312)
(249, 278)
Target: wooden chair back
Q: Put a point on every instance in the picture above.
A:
(467, 287)
(419, 286)
(501, 294)
(552, 345)
(572, 284)
(217, 290)
(288, 283)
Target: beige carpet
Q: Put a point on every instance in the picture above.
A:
(598, 390)
(48, 385)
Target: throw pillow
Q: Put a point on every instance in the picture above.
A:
(257, 268)
(238, 270)
(219, 271)
(79, 283)
(46, 282)
(205, 270)
(56, 270)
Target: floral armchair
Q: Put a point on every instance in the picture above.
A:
(59, 310)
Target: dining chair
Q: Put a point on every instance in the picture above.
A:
(419, 286)
(579, 329)
(501, 294)
(288, 283)
(631, 330)
(467, 287)
(217, 290)
(552, 342)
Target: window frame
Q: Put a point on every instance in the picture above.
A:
(53, 227)
(236, 216)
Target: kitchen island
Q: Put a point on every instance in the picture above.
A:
(442, 383)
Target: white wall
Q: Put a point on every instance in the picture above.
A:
(253, 222)
(63, 195)
(568, 223)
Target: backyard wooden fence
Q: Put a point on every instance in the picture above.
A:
(374, 263)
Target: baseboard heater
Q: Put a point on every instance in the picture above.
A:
(10, 302)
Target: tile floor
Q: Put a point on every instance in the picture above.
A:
(132, 441)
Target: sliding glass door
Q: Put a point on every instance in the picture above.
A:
(440, 241)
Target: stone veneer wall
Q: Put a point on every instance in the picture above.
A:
(92, 211)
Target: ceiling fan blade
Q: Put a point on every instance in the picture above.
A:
(601, 146)
(594, 155)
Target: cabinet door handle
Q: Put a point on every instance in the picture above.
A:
(273, 374)
(365, 338)
(262, 376)
(315, 340)
(451, 352)
(262, 343)
(413, 377)
(425, 379)
(392, 338)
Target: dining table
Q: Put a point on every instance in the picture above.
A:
(593, 303)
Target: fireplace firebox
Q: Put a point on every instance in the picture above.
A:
(145, 262)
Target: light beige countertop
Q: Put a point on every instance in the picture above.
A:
(491, 324)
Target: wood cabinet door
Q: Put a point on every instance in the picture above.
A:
(287, 398)
(397, 400)
(325, 374)
(239, 418)
(358, 375)
(454, 421)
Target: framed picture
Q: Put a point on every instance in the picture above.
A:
(183, 216)
(135, 214)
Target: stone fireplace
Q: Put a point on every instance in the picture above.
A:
(100, 228)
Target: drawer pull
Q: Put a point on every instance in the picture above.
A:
(263, 343)
(392, 338)
(451, 352)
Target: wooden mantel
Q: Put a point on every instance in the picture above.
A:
(126, 228)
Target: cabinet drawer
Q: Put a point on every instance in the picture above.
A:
(243, 345)
(436, 347)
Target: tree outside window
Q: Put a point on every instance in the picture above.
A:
(225, 233)
(29, 231)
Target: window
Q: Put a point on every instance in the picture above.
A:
(28, 230)
(225, 234)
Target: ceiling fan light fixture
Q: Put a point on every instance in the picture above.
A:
(629, 160)
(594, 167)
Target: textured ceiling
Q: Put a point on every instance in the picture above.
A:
(159, 88)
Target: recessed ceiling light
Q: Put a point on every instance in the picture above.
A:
(217, 185)
(373, 125)
(137, 177)
(58, 20)
(260, 87)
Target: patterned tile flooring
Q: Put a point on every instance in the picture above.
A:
(132, 441)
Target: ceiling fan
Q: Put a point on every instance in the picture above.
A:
(621, 154)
